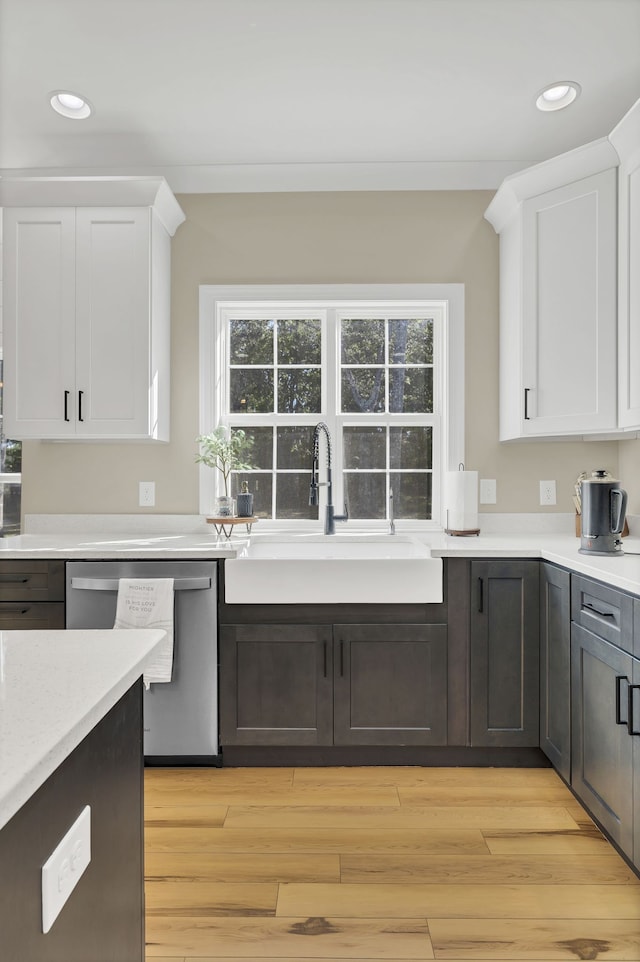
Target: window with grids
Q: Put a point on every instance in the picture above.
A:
(371, 372)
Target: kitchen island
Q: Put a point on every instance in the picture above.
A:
(71, 737)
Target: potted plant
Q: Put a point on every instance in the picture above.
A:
(227, 451)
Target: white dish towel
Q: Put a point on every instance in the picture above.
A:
(148, 603)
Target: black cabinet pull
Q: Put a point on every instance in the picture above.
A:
(324, 658)
(66, 405)
(13, 580)
(526, 404)
(341, 658)
(480, 594)
(619, 719)
(588, 606)
(80, 393)
(630, 728)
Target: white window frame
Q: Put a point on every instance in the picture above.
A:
(448, 387)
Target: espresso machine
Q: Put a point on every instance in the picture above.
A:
(604, 505)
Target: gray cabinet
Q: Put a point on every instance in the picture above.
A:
(348, 684)
(555, 667)
(276, 685)
(31, 594)
(504, 657)
(104, 918)
(602, 748)
(390, 685)
(634, 731)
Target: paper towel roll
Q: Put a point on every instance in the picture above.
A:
(461, 501)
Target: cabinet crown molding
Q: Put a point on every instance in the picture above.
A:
(574, 165)
(625, 136)
(96, 191)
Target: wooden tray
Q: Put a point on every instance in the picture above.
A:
(225, 526)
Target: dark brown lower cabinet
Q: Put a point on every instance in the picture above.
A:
(602, 744)
(276, 685)
(293, 685)
(505, 654)
(31, 594)
(555, 667)
(390, 685)
(103, 920)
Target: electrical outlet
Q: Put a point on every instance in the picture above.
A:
(487, 491)
(547, 492)
(147, 494)
(64, 867)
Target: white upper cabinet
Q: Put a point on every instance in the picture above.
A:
(86, 310)
(626, 140)
(558, 277)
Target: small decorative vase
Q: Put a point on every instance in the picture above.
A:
(245, 504)
(224, 507)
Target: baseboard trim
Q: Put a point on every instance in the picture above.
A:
(320, 755)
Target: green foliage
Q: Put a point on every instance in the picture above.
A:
(226, 452)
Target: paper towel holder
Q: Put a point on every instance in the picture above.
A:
(460, 532)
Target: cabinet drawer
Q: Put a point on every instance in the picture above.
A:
(27, 616)
(31, 580)
(606, 612)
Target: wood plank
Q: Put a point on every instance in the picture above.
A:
(583, 842)
(472, 869)
(355, 839)
(552, 939)
(402, 900)
(239, 867)
(479, 795)
(174, 958)
(203, 816)
(329, 796)
(192, 898)
(485, 818)
(289, 938)
(177, 776)
(416, 776)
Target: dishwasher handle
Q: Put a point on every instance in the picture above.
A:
(111, 584)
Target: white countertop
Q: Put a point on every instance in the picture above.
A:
(619, 570)
(166, 540)
(117, 545)
(55, 686)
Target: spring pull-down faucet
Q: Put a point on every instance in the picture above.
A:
(330, 517)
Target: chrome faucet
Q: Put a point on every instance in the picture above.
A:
(330, 517)
(392, 524)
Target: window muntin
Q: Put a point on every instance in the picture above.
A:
(369, 372)
(275, 365)
(386, 365)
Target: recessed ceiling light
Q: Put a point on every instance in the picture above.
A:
(558, 95)
(70, 105)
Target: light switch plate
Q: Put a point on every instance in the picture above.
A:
(64, 867)
(487, 491)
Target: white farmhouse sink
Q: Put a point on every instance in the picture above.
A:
(333, 569)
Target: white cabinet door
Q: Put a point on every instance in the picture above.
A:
(627, 141)
(569, 284)
(112, 321)
(39, 322)
(86, 341)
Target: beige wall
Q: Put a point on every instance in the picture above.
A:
(395, 237)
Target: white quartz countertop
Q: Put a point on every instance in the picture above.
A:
(155, 545)
(619, 570)
(174, 537)
(55, 686)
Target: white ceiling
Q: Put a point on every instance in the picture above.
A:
(288, 94)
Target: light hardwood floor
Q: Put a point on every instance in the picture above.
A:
(380, 863)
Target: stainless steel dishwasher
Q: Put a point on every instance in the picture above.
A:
(180, 716)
